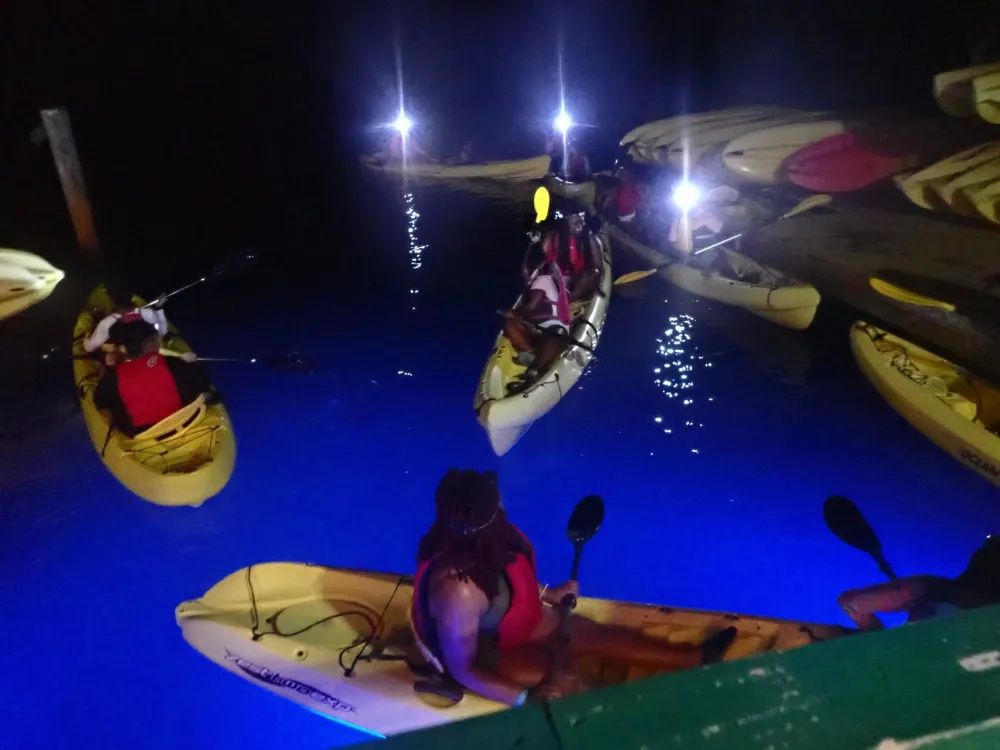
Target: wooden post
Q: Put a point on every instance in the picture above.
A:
(60, 134)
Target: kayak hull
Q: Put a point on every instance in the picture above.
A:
(842, 163)
(760, 156)
(582, 192)
(523, 170)
(920, 385)
(183, 460)
(775, 297)
(986, 93)
(25, 280)
(507, 417)
(341, 611)
(953, 89)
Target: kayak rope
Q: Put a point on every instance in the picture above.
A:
(374, 627)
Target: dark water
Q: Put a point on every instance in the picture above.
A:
(712, 436)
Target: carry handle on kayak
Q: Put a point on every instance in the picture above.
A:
(439, 693)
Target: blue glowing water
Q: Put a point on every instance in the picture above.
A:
(712, 436)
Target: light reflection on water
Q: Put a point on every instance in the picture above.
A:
(415, 248)
(675, 375)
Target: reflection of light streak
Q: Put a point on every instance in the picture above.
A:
(416, 248)
(675, 374)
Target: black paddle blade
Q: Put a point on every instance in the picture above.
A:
(586, 519)
(292, 361)
(238, 261)
(845, 520)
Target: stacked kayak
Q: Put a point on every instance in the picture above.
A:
(957, 410)
(582, 192)
(506, 415)
(184, 459)
(966, 183)
(735, 279)
(968, 91)
(986, 94)
(25, 279)
(296, 629)
(534, 168)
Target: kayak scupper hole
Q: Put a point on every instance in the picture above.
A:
(301, 653)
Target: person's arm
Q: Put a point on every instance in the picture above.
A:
(894, 596)
(456, 607)
(101, 333)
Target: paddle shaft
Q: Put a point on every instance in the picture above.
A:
(549, 332)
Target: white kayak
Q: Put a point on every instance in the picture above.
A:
(295, 630)
(534, 168)
(671, 127)
(954, 92)
(25, 279)
(506, 415)
(735, 279)
(759, 155)
(693, 124)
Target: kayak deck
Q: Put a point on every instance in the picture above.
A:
(505, 414)
(184, 459)
(295, 629)
(533, 168)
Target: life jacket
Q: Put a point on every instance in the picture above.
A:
(627, 200)
(571, 263)
(515, 627)
(147, 389)
(553, 286)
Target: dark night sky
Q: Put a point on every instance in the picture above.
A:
(254, 105)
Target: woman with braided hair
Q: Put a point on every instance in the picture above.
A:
(480, 616)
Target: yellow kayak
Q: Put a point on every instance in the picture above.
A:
(958, 191)
(927, 187)
(25, 279)
(534, 168)
(738, 280)
(184, 459)
(294, 628)
(953, 89)
(986, 94)
(507, 416)
(957, 410)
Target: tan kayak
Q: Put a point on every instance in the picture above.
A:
(534, 168)
(957, 410)
(986, 94)
(953, 89)
(25, 279)
(736, 279)
(924, 187)
(959, 192)
(506, 415)
(294, 629)
(670, 128)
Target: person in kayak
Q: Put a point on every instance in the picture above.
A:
(480, 616)
(127, 313)
(538, 324)
(577, 252)
(926, 596)
(703, 225)
(626, 198)
(145, 387)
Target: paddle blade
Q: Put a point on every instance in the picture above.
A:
(845, 520)
(238, 261)
(813, 201)
(628, 278)
(900, 294)
(542, 202)
(293, 361)
(586, 519)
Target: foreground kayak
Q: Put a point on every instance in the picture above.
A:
(506, 415)
(738, 280)
(958, 411)
(534, 168)
(986, 94)
(25, 279)
(953, 89)
(842, 163)
(295, 629)
(184, 459)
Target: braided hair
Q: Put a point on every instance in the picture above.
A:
(471, 534)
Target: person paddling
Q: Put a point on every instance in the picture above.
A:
(925, 596)
(145, 387)
(480, 616)
(577, 252)
(127, 313)
(537, 325)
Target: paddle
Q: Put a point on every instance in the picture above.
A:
(290, 361)
(234, 263)
(813, 201)
(847, 522)
(549, 332)
(898, 293)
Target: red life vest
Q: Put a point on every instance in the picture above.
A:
(627, 199)
(575, 263)
(147, 389)
(516, 626)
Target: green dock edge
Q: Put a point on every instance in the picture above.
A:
(933, 685)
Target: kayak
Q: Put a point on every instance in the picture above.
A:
(25, 279)
(986, 93)
(534, 168)
(923, 187)
(760, 156)
(507, 415)
(295, 629)
(693, 124)
(653, 131)
(953, 89)
(582, 192)
(957, 192)
(957, 410)
(182, 460)
(986, 199)
(842, 163)
(735, 279)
